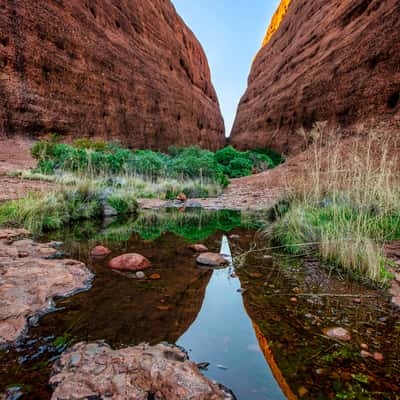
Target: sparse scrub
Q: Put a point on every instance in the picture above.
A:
(192, 163)
(41, 212)
(349, 206)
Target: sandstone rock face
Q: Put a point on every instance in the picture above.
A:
(29, 281)
(137, 373)
(114, 69)
(328, 60)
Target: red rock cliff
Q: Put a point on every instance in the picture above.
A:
(326, 60)
(123, 70)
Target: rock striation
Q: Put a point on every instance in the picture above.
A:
(30, 279)
(129, 71)
(327, 60)
(94, 370)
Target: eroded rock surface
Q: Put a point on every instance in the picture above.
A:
(326, 60)
(29, 281)
(162, 371)
(119, 70)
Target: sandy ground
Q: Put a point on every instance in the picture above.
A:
(259, 191)
(15, 155)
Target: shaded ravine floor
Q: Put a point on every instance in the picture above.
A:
(281, 314)
(241, 194)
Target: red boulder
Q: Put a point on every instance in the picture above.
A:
(100, 251)
(130, 262)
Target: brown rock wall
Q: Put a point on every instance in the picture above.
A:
(114, 69)
(329, 60)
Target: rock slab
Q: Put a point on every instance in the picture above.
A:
(325, 60)
(94, 370)
(29, 281)
(127, 71)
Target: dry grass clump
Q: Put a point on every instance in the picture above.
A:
(349, 203)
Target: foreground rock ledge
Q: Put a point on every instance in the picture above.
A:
(29, 281)
(94, 370)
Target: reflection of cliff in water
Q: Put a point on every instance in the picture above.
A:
(122, 310)
(292, 302)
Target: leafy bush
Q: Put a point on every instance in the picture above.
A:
(239, 167)
(94, 158)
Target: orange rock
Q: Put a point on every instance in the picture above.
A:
(181, 197)
(255, 275)
(302, 391)
(378, 356)
(154, 277)
(163, 308)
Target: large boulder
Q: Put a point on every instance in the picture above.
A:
(94, 370)
(130, 262)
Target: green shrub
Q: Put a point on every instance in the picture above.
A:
(228, 154)
(88, 144)
(275, 157)
(42, 150)
(239, 167)
(123, 203)
(94, 158)
(149, 163)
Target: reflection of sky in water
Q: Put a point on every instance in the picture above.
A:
(223, 335)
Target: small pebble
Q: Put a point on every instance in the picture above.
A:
(140, 275)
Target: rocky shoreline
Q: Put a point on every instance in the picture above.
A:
(94, 370)
(31, 276)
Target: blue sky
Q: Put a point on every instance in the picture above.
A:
(231, 33)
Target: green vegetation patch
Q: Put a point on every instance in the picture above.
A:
(94, 158)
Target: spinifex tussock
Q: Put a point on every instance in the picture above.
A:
(348, 203)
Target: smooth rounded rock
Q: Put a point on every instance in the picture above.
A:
(198, 248)
(130, 262)
(100, 251)
(211, 259)
(140, 275)
(337, 333)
